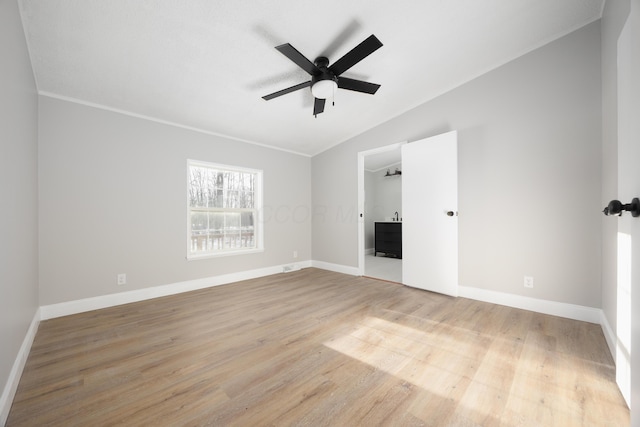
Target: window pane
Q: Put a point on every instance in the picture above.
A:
(248, 186)
(246, 220)
(246, 200)
(232, 221)
(216, 230)
(215, 189)
(239, 189)
(232, 230)
(248, 239)
(198, 231)
(198, 186)
(233, 199)
(233, 181)
(248, 180)
(232, 240)
(198, 222)
(247, 230)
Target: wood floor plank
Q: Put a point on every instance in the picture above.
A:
(317, 348)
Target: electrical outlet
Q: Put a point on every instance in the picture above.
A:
(122, 279)
(295, 254)
(528, 282)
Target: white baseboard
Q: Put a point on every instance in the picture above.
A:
(369, 251)
(338, 268)
(554, 308)
(11, 385)
(104, 301)
(571, 311)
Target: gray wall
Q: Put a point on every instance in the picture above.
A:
(113, 200)
(18, 189)
(529, 173)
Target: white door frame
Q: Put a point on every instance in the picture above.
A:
(361, 156)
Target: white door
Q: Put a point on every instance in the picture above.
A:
(429, 211)
(628, 253)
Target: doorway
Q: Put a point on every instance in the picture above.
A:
(427, 217)
(379, 201)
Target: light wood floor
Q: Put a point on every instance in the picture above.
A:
(321, 349)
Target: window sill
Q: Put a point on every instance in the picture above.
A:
(196, 257)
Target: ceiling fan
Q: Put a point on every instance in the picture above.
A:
(325, 79)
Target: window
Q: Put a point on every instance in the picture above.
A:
(223, 205)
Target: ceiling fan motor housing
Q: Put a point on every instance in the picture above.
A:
(322, 62)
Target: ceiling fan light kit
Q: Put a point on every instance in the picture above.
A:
(325, 79)
(324, 89)
(325, 84)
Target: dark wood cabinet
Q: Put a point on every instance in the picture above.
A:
(388, 238)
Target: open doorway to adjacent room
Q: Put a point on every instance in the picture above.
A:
(380, 202)
(408, 213)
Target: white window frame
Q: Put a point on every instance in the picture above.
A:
(257, 210)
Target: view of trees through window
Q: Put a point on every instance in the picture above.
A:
(222, 209)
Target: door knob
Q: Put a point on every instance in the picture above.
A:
(616, 207)
(451, 213)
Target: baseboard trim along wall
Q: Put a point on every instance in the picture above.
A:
(104, 301)
(338, 268)
(554, 308)
(11, 385)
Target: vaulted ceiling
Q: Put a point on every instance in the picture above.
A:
(206, 64)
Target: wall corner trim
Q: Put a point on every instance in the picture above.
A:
(10, 388)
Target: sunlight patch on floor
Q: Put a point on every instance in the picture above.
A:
(410, 354)
(503, 377)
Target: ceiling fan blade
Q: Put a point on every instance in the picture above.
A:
(318, 106)
(355, 55)
(357, 85)
(300, 60)
(287, 90)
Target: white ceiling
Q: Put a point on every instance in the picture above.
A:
(206, 64)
